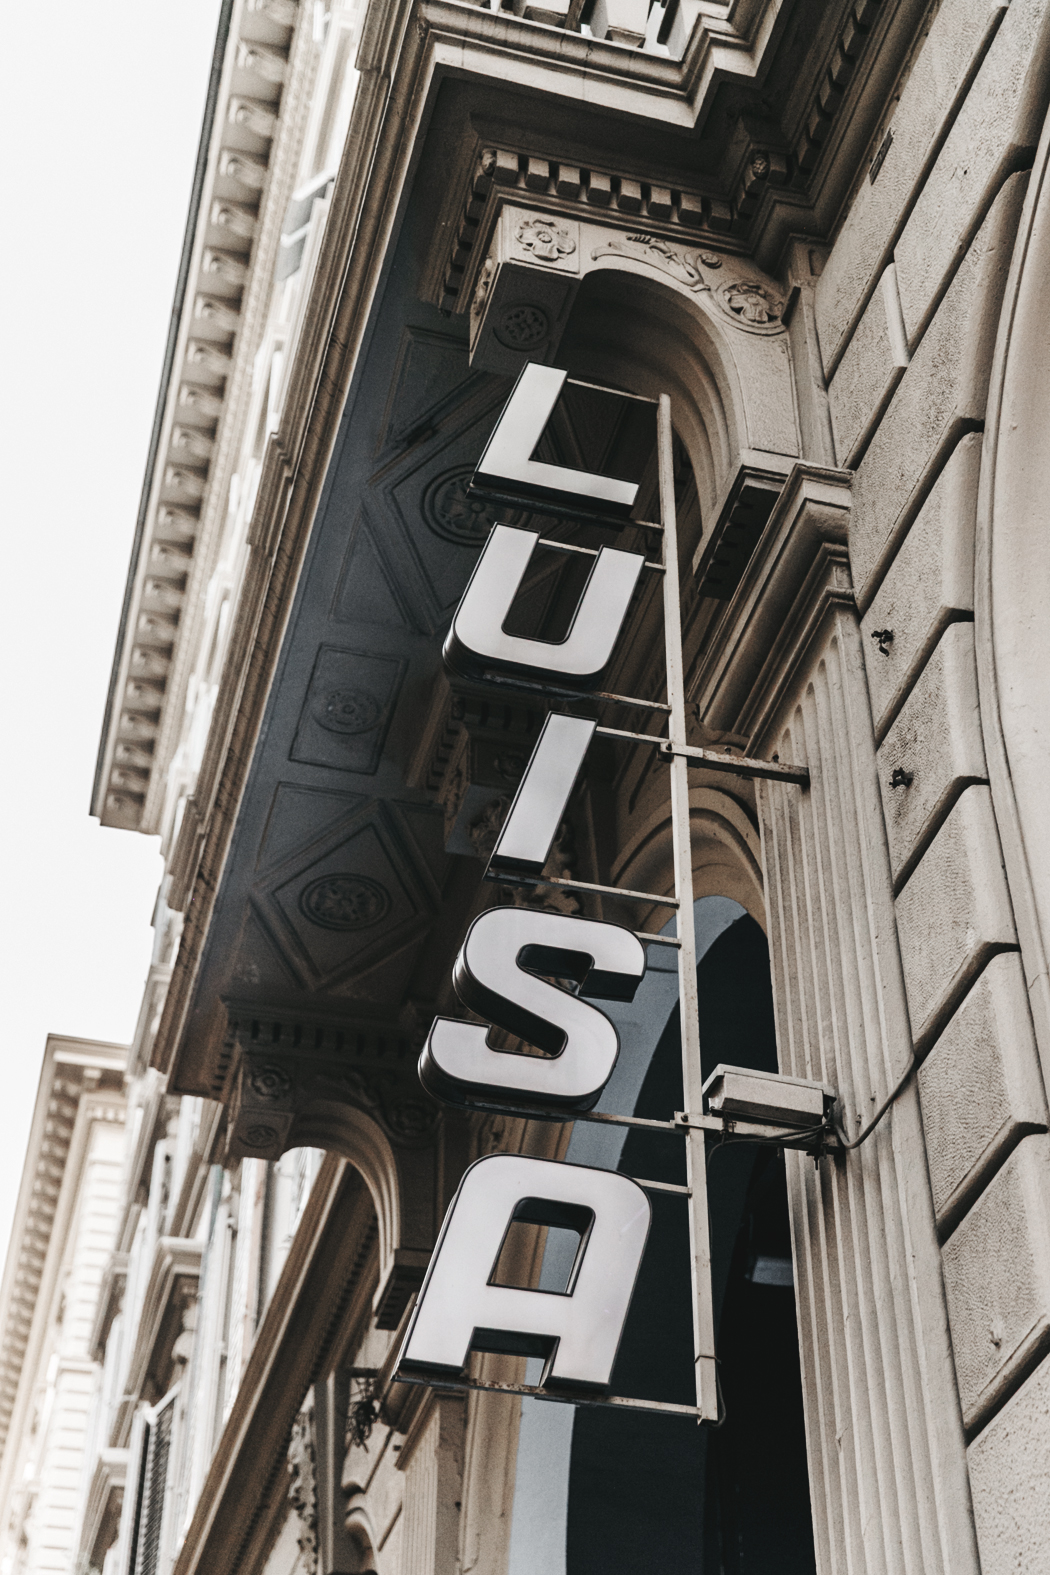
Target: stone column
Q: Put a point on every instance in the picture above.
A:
(784, 667)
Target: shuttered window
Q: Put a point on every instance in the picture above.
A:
(148, 1525)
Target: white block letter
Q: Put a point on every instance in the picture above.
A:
(508, 471)
(578, 1331)
(524, 844)
(490, 977)
(477, 641)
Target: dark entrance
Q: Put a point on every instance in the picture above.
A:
(649, 1493)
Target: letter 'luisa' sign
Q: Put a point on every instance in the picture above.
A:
(506, 950)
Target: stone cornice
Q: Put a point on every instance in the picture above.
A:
(222, 274)
(80, 1081)
(176, 1263)
(799, 568)
(775, 175)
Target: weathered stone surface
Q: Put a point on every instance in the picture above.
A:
(917, 419)
(942, 391)
(929, 583)
(981, 143)
(1009, 1471)
(941, 64)
(997, 1279)
(955, 910)
(934, 749)
(981, 1087)
(862, 377)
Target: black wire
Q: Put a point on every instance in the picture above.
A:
(865, 1133)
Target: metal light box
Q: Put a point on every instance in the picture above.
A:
(747, 1095)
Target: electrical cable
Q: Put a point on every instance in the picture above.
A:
(862, 1136)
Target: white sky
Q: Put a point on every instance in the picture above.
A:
(99, 119)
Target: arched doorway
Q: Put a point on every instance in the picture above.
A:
(614, 1492)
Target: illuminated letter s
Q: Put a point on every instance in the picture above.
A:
(607, 962)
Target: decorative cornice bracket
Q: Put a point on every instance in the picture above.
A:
(797, 572)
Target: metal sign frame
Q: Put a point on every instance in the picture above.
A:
(692, 1124)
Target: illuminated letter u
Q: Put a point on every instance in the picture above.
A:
(477, 641)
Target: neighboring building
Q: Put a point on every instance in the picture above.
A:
(823, 231)
(61, 1244)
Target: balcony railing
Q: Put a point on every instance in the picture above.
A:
(638, 24)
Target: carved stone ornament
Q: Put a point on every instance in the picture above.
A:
(560, 866)
(545, 239)
(485, 828)
(347, 711)
(261, 1137)
(484, 285)
(453, 514)
(523, 327)
(750, 303)
(270, 1082)
(302, 1490)
(674, 260)
(345, 902)
(406, 1119)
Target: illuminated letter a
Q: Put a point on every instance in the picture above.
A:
(578, 1331)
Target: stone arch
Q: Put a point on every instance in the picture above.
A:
(652, 314)
(402, 1179)
(369, 1110)
(727, 859)
(731, 388)
(358, 1137)
(1012, 566)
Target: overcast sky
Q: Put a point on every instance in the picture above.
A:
(99, 120)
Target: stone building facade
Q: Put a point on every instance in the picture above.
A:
(822, 230)
(59, 1255)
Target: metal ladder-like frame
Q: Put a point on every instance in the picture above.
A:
(690, 1124)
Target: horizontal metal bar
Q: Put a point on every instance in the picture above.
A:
(491, 1108)
(587, 552)
(663, 1186)
(554, 692)
(620, 393)
(634, 738)
(489, 1386)
(503, 879)
(548, 508)
(657, 940)
(713, 759)
(745, 765)
(730, 1129)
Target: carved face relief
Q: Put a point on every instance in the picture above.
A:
(485, 828)
(544, 239)
(484, 285)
